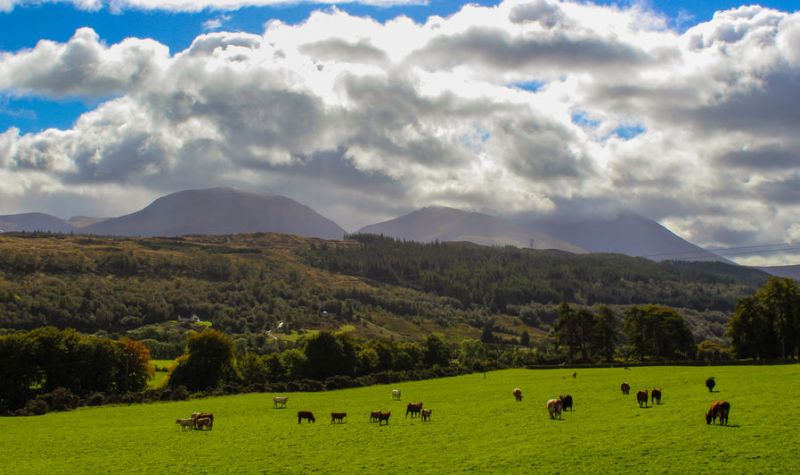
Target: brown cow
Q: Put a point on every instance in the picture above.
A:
(201, 422)
(338, 417)
(517, 392)
(413, 409)
(625, 388)
(374, 416)
(719, 409)
(307, 415)
(203, 415)
(641, 398)
(384, 416)
(554, 408)
(655, 396)
(426, 415)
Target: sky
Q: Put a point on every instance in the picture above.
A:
(685, 112)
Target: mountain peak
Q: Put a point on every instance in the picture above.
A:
(220, 210)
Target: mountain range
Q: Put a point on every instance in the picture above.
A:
(231, 211)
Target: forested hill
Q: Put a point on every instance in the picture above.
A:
(495, 278)
(376, 287)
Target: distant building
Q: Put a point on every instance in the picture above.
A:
(192, 319)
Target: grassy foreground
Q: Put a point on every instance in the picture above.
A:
(476, 426)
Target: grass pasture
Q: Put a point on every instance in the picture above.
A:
(476, 427)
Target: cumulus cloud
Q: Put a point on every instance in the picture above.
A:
(362, 119)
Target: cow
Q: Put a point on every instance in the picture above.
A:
(655, 396)
(426, 415)
(203, 415)
(719, 409)
(338, 417)
(641, 398)
(201, 422)
(184, 423)
(625, 388)
(279, 401)
(307, 415)
(554, 408)
(413, 409)
(517, 392)
(574, 374)
(384, 416)
(396, 394)
(566, 402)
(374, 416)
(710, 383)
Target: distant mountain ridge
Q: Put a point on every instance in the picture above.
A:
(791, 272)
(231, 211)
(32, 222)
(626, 233)
(439, 223)
(220, 211)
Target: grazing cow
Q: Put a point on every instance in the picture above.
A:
(566, 402)
(374, 416)
(641, 398)
(396, 394)
(554, 408)
(338, 417)
(655, 396)
(517, 392)
(307, 415)
(280, 401)
(719, 409)
(710, 383)
(426, 415)
(414, 409)
(625, 388)
(203, 415)
(201, 422)
(184, 423)
(384, 416)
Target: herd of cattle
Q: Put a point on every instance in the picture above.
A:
(718, 410)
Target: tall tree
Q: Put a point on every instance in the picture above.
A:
(606, 333)
(208, 363)
(767, 325)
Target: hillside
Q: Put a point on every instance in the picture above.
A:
(32, 222)
(219, 211)
(374, 287)
(438, 223)
(626, 233)
(792, 272)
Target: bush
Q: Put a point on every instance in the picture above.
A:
(96, 399)
(34, 407)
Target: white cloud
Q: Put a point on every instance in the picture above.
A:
(361, 119)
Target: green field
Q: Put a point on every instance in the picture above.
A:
(476, 426)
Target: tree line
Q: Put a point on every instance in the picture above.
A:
(48, 360)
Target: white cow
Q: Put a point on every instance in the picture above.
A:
(184, 423)
(280, 401)
(396, 394)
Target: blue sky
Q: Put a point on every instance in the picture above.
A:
(681, 111)
(25, 25)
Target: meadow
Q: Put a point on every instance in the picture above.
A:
(476, 426)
